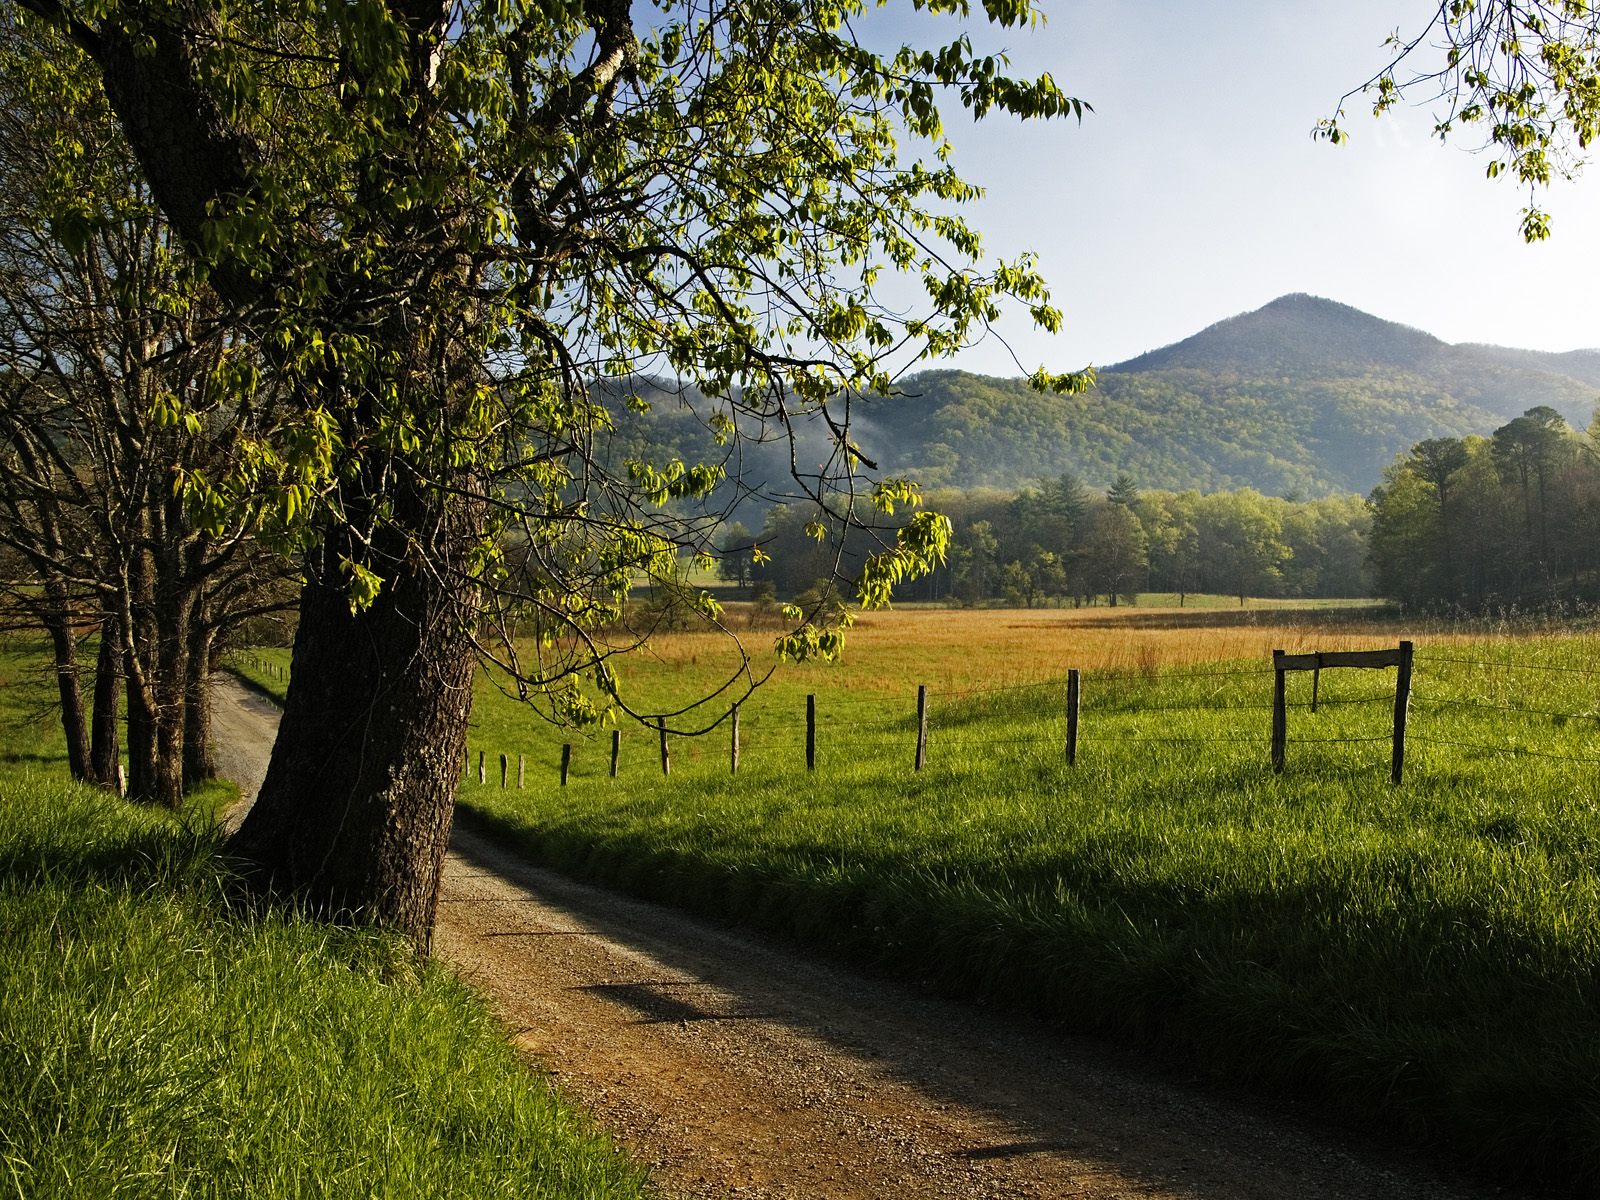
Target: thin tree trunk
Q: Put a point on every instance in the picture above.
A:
(198, 763)
(69, 686)
(139, 656)
(105, 750)
(354, 814)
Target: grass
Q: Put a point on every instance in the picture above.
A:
(1424, 959)
(158, 1040)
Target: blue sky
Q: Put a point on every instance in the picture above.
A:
(1194, 191)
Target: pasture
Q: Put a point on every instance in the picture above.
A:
(1422, 958)
(160, 1038)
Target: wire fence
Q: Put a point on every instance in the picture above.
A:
(1488, 707)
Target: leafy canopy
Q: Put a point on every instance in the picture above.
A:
(438, 224)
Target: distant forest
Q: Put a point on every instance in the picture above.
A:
(1303, 399)
(1060, 543)
(1470, 523)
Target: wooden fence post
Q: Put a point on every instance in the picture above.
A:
(1402, 703)
(666, 760)
(1280, 712)
(520, 769)
(811, 731)
(1074, 698)
(616, 750)
(733, 743)
(922, 725)
(1316, 685)
(483, 776)
(504, 763)
(566, 762)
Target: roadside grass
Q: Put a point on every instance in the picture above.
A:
(1424, 959)
(158, 1038)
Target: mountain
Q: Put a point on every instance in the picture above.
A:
(1295, 335)
(1303, 395)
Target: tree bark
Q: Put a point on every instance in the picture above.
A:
(198, 763)
(105, 749)
(354, 814)
(69, 687)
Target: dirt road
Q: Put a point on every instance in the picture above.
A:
(736, 1069)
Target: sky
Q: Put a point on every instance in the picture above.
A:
(1194, 190)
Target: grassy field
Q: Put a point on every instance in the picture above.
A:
(156, 1040)
(1424, 958)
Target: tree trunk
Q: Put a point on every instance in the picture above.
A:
(105, 750)
(354, 814)
(198, 763)
(69, 687)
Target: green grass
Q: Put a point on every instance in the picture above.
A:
(158, 1040)
(1423, 958)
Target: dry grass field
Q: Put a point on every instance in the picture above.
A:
(966, 648)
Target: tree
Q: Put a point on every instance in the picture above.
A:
(437, 224)
(1114, 551)
(98, 343)
(1435, 461)
(1240, 539)
(736, 555)
(1529, 450)
(1523, 75)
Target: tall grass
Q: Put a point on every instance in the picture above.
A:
(159, 1040)
(1424, 958)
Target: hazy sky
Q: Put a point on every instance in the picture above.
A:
(1194, 191)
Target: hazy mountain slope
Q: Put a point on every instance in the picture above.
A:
(1177, 428)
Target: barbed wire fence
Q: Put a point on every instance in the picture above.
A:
(1152, 708)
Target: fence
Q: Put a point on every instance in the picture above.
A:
(1473, 705)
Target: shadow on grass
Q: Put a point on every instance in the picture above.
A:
(1376, 617)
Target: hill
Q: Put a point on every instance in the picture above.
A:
(1303, 395)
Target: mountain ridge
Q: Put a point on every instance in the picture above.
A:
(1303, 394)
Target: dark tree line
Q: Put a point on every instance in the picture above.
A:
(1480, 522)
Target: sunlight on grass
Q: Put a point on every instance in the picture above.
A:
(1409, 955)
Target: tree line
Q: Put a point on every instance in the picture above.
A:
(1059, 542)
(1478, 522)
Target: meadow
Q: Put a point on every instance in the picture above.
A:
(159, 1038)
(1422, 959)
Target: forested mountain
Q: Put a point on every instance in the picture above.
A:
(1302, 396)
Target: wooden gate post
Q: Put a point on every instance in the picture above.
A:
(521, 772)
(566, 761)
(733, 743)
(504, 764)
(666, 759)
(811, 731)
(616, 750)
(922, 725)
(1280, 712)
(1402, 704)
(483, 776)
(1074, 697)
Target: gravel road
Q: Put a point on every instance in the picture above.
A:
(734, 1068)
